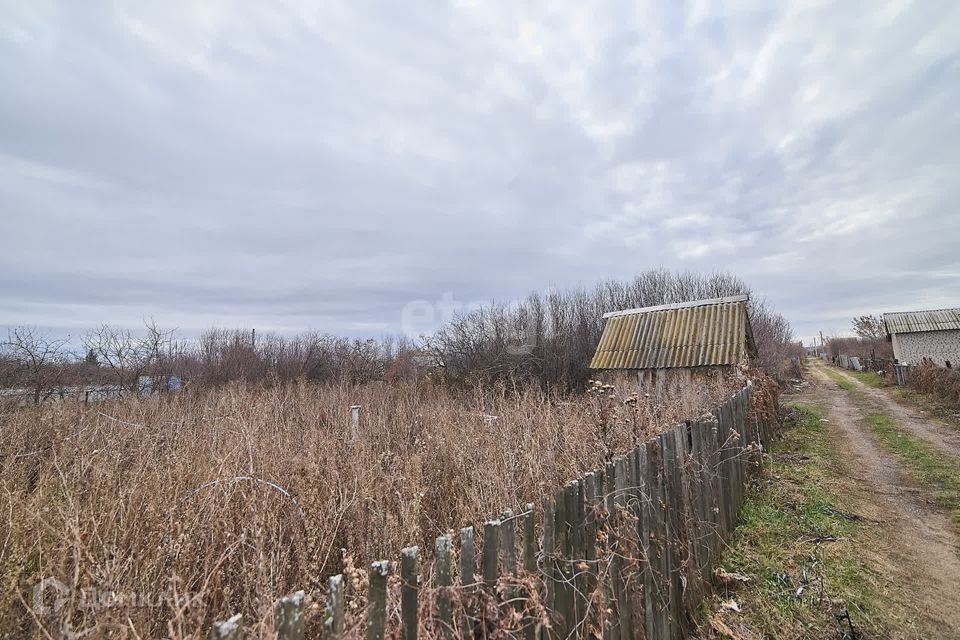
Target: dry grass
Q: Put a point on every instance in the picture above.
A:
(141, 497)
(937, 381)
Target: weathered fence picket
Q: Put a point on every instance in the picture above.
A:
(443, 563)
(288, 617)
(409, 592)
(336, 597)
(377, 600)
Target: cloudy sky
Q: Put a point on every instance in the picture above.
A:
(322, 165)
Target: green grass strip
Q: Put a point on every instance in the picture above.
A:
(840, 379)
(937, 472)
(797, 503)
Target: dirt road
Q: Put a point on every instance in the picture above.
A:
(918, 552)
(940, 436)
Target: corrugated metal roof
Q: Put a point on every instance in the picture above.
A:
(916, 321)
(705, 333)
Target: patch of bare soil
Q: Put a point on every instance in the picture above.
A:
(915, 549)
(922, 426)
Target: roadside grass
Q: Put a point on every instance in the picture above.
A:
(938, 473)
(839, 379)
(798, 547)
(871, 378)
(933, 407)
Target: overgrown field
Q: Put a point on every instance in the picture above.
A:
(159, 515)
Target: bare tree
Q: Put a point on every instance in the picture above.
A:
(127, 356)
(39, 360)
(869, 327)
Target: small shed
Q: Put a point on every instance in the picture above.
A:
(691, 337)
(918, 336)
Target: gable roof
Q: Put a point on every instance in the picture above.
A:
(704, 333)
(916, 321)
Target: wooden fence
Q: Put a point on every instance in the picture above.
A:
(626, 551)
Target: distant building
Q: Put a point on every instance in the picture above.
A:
(702, 336)
(917, 336)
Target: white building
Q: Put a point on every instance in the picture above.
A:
(925, 335)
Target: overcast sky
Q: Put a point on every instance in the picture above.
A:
(287, 166)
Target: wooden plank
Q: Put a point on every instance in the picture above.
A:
(575, 515)
(377, 600)
(467, 556)
(491, 553)
(508, 543)
(563, 604)
(529, 539)
(657, 600)
(230, 629)
(691, 591)
(529, 563)
(634, 530)
(409, 593)
(702, 491)
(443, 565)
(671, 500)
(723, 465)
(590, 499)
(549, 553)
(646, 462)
(613, 628)
(334, 624)
(618, 569)
(288, 617)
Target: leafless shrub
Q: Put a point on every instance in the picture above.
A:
(125, 356)
(33, 359)
(938, 381)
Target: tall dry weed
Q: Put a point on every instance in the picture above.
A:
(194, 506)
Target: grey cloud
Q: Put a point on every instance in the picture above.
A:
(297, 167)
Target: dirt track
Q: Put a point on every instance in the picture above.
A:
(920, 555)
(936, 434)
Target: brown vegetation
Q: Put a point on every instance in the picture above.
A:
(942, 383)
(234, 497)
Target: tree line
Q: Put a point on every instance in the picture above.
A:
(546, 339)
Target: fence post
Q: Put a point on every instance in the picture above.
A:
(529, 539)
(377, 600)
(467, 560)
(288, 617)
(618, 570)
(335, 602)
(612, 550)
(658, 605)
(671, 500)
(230, 629)
(443, 550)
(563, 600)
(508, 542)
(574, 547)
(354, 421)
(549, 553)
(467, 555)
(491, 548)
(409, 592)
(590, 530)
